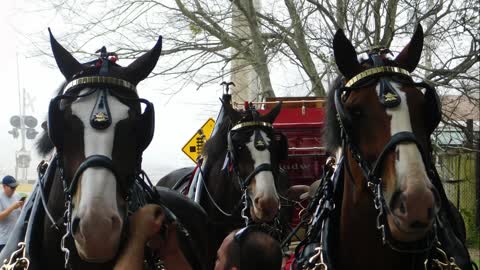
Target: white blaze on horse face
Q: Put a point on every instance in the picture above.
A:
(98, 193)
(408, 162)
(265, 190)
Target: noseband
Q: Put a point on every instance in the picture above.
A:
(389, 97)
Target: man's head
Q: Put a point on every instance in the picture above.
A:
(249, 249)
(9, 185)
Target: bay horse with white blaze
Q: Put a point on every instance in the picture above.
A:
(387, 194)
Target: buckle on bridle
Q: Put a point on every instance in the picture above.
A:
(320, 265)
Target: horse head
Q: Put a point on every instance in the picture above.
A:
(383, 120)
(99, 130)
(254, 151)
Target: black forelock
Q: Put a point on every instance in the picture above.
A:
(44, 145)
(217, 143)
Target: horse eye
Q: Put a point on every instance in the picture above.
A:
(356, 112)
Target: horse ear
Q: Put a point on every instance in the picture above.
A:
(230, 111)
(410, 55)
(272, 115)
(67, 64)
(345, 55)
(140, 68)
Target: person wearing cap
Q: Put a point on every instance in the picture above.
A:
(10, 205)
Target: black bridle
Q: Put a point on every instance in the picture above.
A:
(370, 171)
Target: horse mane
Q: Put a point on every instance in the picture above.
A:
(331, 133)
(44, 145)
(216, 145)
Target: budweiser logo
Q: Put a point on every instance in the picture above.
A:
(295, 166)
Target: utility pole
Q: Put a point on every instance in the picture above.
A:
(23, 127)
(22, 124)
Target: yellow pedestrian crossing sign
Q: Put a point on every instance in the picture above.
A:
(194, 146)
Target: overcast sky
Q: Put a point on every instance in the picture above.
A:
(177, 117)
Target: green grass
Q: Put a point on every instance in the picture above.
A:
(474, 251)
(476, 261)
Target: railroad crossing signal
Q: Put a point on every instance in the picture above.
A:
(193, 148)
(29, 122)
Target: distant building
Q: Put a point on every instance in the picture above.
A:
(460, 112)
(456, 144)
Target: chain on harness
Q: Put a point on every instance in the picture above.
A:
(310, 252)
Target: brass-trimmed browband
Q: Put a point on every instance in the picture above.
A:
(252, 124)
(375, 71)
(100, 80)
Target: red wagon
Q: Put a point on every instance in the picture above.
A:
(302, 121)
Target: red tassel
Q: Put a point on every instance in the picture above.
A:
(113, 58)
(245, 105)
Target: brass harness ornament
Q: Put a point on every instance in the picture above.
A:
(252, 124)
(376, 70)
(101, 117)
(443, 263)
(18, 260)
(95, 80)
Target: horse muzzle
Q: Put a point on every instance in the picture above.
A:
(265, 208)
(97, 235)
(412, 213)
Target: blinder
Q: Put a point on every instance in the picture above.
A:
(434, 106)
(281, 144)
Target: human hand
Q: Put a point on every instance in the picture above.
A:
(166, 244)
(146, 222)
(17, 204)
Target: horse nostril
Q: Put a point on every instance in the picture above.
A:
(256, 201)
(403, 208)
(430, 213)
(116, 223)
(437, 198)
(75, 224)
(397, 202)
(418, 225)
